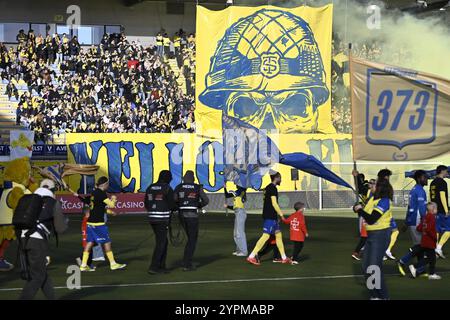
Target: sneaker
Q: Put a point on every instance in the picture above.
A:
(277, 260)
(401, 268)
(384, 258)
(99, 259)
(413, 271)
(390, 255)
(153, 271)
(87, 269)
(356, 256)
(78, 260)
(253, 261)
(294, 262)
(191, 268)
(5, 265)
(118, 266)
(240, 254)
(286, 261)
(434, 277)
(439, 253)
(235, 253)
(48, 261)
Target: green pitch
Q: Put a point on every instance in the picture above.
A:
(326, 270)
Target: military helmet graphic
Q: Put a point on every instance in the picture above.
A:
(268, 51)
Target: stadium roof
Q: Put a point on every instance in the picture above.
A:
(389, 3)
(412, 6)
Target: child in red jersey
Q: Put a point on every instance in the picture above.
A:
(427, 245)
(86, 210)
(298, 231)
(362, 239)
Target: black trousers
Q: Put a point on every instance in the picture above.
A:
(270, 247)
(160, 252)
(416, 251)
(427, 256)
(361, 244)
(298, 246)
(190, 225)
(34, 255)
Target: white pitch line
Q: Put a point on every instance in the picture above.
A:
(174, 283)
(150, 284)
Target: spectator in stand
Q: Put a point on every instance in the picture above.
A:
(116, 86)
(11, 91)
(160, 44)
(21, 37)
(166, 42)
(74, 47)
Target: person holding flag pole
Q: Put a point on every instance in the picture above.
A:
(239, 197)
(377, 213)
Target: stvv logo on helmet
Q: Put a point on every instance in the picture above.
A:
(270, 64)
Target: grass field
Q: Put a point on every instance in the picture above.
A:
(326, 270)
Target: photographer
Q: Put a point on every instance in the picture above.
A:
(34, 244)
(190, 197)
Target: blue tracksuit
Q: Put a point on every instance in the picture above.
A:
(417, 209)
(417, 206)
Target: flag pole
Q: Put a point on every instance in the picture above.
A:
(355, 167)
(225, 195)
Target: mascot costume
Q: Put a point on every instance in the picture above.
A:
(17, 182)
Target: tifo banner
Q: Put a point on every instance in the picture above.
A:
(133, 161)
(398, 114)
(267, 66)
(21, 143)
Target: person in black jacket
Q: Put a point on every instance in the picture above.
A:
(189, 198)
(34, 244)
(159, 203)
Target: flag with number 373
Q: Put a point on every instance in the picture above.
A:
(398, 114)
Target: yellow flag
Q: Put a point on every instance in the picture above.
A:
(267, 66)
(398, 114)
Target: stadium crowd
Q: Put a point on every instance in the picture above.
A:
(117, 86)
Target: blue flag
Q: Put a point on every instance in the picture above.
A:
(430, 173)
(248, 153)
(311, 165)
